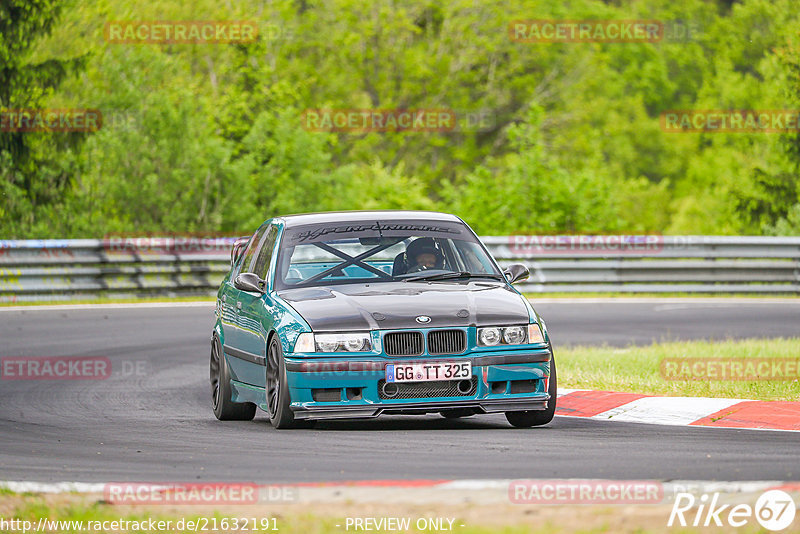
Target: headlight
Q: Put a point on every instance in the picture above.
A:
(328, 342)
(488, 336)
(356, 342)
(350, 342)
(514, 335)
(510, 335)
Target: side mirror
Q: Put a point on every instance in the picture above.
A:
(516, 272)
(249, 282)
(238, 247)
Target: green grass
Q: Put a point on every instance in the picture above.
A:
(637, 369)
(299, 519)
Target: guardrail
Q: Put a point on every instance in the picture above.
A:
(70, 269)
(654, 264)
(133, 267)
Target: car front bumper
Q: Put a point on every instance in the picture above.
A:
(352, 386)
(358, 411)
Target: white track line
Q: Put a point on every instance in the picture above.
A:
(667, 410)
(54, 487)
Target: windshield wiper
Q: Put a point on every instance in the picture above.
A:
(452, 275)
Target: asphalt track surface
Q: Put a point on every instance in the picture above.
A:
(151, 420)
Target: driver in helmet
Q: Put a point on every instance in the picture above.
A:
(422, 254)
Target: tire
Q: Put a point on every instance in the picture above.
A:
(277, 391)
(221, 394)
(531, 418)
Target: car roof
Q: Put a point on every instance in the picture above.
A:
(301, 219)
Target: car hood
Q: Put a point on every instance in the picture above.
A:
(394, 305)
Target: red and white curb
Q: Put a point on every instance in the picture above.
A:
(691, 411)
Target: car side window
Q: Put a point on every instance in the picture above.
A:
(265, 253)
(252, 247)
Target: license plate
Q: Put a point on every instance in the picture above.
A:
(426, 372)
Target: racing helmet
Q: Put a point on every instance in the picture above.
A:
(423, 245)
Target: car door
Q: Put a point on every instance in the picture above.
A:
(255, 317)
(229, 296)
(235, 338)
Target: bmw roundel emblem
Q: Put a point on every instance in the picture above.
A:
(423, 319)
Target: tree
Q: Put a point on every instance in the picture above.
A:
(35, 167)
(788, 222)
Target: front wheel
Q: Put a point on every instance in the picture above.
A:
(278, 400)
(221, 394)
(531, 418)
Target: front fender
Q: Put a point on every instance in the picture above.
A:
(287, 324)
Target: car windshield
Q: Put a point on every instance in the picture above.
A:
(380, 251)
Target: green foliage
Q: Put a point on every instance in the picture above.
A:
(35, 168)
(530, 191)
(209, 137)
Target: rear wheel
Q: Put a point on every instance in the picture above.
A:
(531, 418)
(221, 394)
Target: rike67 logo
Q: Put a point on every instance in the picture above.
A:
(774, 510)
